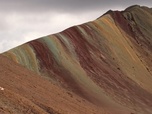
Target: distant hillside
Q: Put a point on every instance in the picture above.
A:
(107, 62)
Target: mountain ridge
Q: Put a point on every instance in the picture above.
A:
(106, 61)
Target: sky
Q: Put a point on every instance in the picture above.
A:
(25, 20)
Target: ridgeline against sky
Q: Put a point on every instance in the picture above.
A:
(107, 61)
(25, 20)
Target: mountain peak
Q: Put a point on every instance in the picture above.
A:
(131, 8)
(137, 7)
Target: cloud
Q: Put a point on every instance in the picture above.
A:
(65, 5)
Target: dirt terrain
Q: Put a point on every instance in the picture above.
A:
(100, 67)
(26, 92)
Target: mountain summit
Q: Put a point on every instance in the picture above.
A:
(101, 67)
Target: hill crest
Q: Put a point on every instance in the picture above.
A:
(106, 61)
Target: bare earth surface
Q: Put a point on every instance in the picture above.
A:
(27, 93)
(100, 67)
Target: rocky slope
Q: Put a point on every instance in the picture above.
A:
(106, 62)
(25, 92)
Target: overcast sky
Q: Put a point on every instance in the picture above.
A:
(25, 20)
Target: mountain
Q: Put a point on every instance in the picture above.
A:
(103, 66)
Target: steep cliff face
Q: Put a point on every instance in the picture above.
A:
(106, 61)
